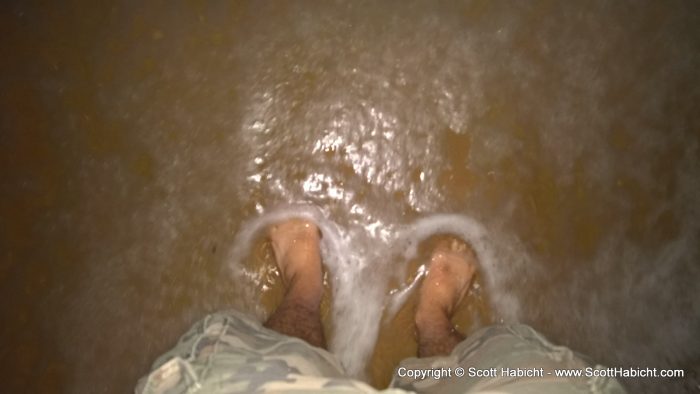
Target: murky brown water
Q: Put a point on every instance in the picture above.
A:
(136, 140)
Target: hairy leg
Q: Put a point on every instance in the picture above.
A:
(450, 273)
(296, 246)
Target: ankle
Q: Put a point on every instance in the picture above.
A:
(305, 290)
(432, 320)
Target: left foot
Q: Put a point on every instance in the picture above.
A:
(295, 243)
(296, 246)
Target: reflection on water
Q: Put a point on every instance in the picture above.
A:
(138, 140)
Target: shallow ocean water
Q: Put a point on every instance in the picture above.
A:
(138, 143)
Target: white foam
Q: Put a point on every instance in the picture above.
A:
(357, 295)
(353, 258)
(470, 230)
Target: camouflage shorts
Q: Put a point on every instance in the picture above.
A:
(228, 352)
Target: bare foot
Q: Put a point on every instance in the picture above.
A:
(295, 243)
(450, 273)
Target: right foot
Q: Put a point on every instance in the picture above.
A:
(450, 273)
